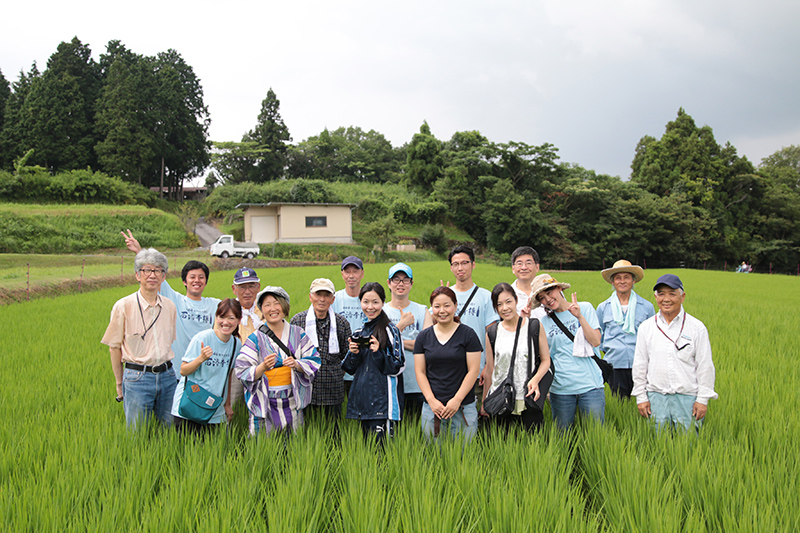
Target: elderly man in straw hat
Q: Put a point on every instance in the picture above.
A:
(620, 317)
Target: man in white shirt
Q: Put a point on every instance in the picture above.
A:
(525, 267)
(673, 373)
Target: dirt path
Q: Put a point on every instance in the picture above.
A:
(206, 233)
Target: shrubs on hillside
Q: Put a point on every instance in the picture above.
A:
(35, 184)
(80, 229)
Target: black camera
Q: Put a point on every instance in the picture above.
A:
(361, 339)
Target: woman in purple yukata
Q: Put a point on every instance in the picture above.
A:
(276, 365)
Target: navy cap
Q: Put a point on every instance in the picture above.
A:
(670, 280)
(352, 260)
(400, 267)
(245, 275)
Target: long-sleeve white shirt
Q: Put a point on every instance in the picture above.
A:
(658, 366)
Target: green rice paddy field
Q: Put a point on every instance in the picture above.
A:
(67, 462)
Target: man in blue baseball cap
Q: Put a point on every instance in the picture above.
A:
(410, 318)
(246, 285)
(346, 300)
(673, 373)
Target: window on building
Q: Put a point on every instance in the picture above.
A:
(316, 222)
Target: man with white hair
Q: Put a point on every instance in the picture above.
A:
(139, 338)
(673, 373)
(620, 317)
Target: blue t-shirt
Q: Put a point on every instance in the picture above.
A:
(410, 333)
(573, 375)
(350, 308)
(478, 315)
(212, 374)
(193, 317)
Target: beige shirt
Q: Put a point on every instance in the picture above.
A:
(126, 329)
(253, 320)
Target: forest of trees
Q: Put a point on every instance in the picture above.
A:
(689, 199)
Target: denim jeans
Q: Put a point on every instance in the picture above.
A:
(464, 421)
(145, 394)
(673, 410)
(564, 406)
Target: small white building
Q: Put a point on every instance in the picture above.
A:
(298, 223)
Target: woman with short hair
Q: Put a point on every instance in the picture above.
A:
(276, 365)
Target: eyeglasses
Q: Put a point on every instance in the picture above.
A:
(524, 263)
(151, 271)
(463, 264)
(248, 287)
(401, 281)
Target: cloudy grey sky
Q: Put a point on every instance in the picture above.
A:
(591, 77)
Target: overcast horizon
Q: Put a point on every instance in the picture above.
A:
(590, 78)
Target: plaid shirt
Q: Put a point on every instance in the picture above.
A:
(328, 388)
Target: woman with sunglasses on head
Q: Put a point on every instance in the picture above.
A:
(447, 360)
(578, 381)
(375, 358)
(501, 339)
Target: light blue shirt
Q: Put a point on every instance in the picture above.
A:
(212, 374)
(193, 317)
(619, 346)
(478, 315)
(409, 334)
(573, 375)
(350, 308)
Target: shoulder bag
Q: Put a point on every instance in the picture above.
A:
(605, 367)
(547, 379)
(502, 399)
(199, 405)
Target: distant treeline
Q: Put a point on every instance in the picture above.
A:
(689, 200)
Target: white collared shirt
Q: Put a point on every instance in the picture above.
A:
(658, 366)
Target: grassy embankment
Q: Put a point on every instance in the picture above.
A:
(66, 461)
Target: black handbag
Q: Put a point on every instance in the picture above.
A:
(547, 378)
(502, 399)
(605, 367)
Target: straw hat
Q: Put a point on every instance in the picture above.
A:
(624, 266)
(541, 283)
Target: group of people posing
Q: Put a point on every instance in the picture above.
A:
(187, 359)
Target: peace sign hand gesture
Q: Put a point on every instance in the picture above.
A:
(574, 308)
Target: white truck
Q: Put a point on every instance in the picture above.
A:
(225, 247)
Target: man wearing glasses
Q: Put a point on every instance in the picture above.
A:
(525, 267)
(246, 285)
(474, 303)
(139, 338)
(673, 374)
(195, 312)
(410, 318)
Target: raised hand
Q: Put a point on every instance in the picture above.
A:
(574, 308)
(130, 242)
(205, 352)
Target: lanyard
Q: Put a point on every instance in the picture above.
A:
(674, 342)
(142, 314)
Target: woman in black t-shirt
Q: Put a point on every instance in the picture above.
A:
(447, 360)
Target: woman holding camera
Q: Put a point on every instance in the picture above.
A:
(447, 360)
(376, 360)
